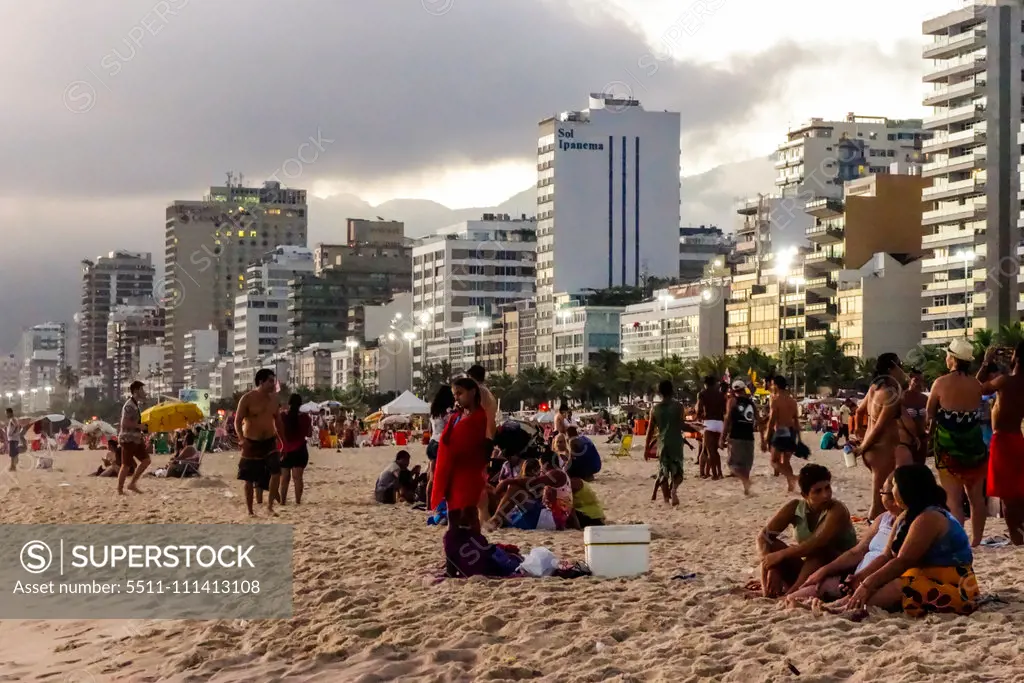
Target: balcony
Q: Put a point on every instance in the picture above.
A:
(950, 312)
(825, 208)
(948, 46)
(821, 261)
(821, 286)
(975, 185)
(948, 238)
(948, 117)
(964, 138)
(964, 162)
(954, 214)
(947, 287)
(958, 67)
(825, 233)
(816, 333)
(747, 246)
(746, 266)
(946, 93)
(821, 311)
(934, 337)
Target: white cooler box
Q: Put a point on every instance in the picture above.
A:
(614, 551)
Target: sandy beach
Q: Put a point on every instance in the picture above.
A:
(367, 606)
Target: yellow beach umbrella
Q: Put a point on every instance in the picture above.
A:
(167, 417)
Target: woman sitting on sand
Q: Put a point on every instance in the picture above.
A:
(842, 576)
(823, 528)
(586, 507)
(462, 458)
(544, 501)
(928, 566)
(111, 461)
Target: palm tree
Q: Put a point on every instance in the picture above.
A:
(930, 360)
(827, 363)
(754, 361)
(1009, 335)
(983, 339)
(535, 384)
(67, 378)
(431, 379)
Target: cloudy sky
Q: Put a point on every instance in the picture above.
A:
(112, 114)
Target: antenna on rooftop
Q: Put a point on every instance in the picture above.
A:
(241, 180)
(231, 177)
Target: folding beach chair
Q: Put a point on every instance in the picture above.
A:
(623, 451)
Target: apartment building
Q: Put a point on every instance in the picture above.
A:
(210, 245)
(470, 269)
(970, 222)
(130, 328)
(819, 156)
(108, 281)
(260, 322)
(686, 321)
(519, 330)
(43, 355)
(877, 217)
(277, 268)
(202, 351)
(582, 330)
(700, 246)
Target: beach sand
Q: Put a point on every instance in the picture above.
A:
(367, 606)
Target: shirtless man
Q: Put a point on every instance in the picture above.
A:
(490, 406)
(1006, 452)
(783, 430)
(890, 440)
(256, 426)
(711, 411)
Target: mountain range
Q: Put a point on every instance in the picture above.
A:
(705, 199)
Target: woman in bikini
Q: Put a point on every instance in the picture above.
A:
(915, 403)
(957, 443)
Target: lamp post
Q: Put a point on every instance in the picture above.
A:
(968, 257)
(783, 262)
(797, 282)
(426, 318)
(482, 326)
(409, 338)
(664, 299)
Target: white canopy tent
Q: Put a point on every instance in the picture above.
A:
(407, 404)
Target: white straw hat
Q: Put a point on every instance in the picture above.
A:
(961, 349)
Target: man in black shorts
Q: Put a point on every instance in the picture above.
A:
(256, 424)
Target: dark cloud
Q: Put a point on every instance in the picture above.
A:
(184, 89)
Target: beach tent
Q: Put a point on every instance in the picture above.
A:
(407, 404)
(309, 407)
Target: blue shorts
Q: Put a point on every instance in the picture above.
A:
(529, 517)
(13, 448)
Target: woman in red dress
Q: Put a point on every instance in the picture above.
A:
(461, 470)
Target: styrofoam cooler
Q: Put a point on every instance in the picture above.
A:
(614, 551)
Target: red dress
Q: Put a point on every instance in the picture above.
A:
(460, 472)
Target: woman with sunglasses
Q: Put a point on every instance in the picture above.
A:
(842, 576)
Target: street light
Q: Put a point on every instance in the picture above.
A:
(664, 299)
(783, 262)
(409, 338)
(968, 257)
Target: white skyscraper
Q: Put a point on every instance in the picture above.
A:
(607, 202)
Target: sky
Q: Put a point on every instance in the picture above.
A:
(112, 115)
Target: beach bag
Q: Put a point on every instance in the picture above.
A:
(467, 553)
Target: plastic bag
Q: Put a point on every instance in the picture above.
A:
(540, 562)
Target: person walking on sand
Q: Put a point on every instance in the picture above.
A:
(738, 433)
(256, 424)
(294, 427)
(132, 439)
(783, 430)
(711, 412)
(667, 425)
(961, 456)
(890, 440)
(13, 438)
(1006, 452)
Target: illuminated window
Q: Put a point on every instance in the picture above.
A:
(241, 233)
(252, 233)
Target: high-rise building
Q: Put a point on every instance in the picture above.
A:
(608, 194)
(202, 351)
(210, 245)
(129, 329)
(380, 232)
(43, 356)
(10, 372)
(519, 324)
(582, 330)
(278, 267)
(972, 204)
(819, 156)
(107, 282)
(261, 323)
(471, 268)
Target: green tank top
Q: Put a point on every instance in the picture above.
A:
(668, 416)
(801, 524)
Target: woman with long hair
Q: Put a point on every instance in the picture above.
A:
(440, 409)
(460, 472)
(928, 566)
(954, 419)
(294, 428)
